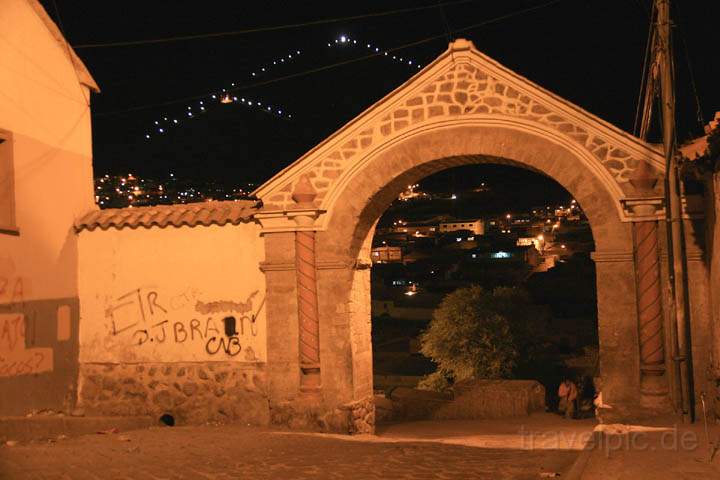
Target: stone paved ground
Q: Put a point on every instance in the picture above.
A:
(229, 452)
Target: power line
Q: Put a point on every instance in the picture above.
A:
(334, 65)
(691, 73)
(649, 48)
(273, 28)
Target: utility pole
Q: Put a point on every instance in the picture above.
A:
(673, 214)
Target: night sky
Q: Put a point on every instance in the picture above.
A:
(588, 51)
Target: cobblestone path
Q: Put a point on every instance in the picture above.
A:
(230, 452)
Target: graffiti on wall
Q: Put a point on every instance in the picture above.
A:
(17, 332)
(142, 318)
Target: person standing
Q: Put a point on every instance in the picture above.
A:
(568, 394)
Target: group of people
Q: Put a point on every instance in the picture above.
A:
(577, 402)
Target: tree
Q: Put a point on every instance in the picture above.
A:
(476, 333)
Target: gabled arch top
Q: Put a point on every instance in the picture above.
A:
(464, 86)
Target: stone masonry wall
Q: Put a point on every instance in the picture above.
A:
(193, 393)
(464, 87)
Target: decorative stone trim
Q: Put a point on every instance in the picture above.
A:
(643, 209)
(695, 256)
(276, 267)
(334, 265)
(327, 265)
(612, 257)
(281, 221)
(462, 82)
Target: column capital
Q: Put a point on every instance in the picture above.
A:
(290, 220)
(643, 209)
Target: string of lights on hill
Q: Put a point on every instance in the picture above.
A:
(224, 97)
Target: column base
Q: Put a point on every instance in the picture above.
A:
(310, 380)
(654, 392)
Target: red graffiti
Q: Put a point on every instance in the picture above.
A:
(12, 291)
(32, 364)
(12, 331)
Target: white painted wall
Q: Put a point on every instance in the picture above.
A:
(46, 111)
(45, 119)
(160, 294)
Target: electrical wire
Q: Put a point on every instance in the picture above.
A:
(446, 24)
(333, 65)
(691, 74)
(643, 77)
(273, 28)
(69, 51)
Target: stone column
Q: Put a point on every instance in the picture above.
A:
(644, 211)
(653, 381)
(618, 332)
(306, 271)
(292, 301)
(307, 311)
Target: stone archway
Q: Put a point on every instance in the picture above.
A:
(320, 213)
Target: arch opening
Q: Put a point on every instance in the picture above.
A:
(492, 224)
(355, 207)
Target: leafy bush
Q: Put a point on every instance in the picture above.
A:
(476, 333)
(436, 381)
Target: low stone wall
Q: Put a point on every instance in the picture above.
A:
(493, 399)
(362, 414)
(473, 399)
(193, 393)
(308, 413)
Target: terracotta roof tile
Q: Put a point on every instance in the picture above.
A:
(190, 214)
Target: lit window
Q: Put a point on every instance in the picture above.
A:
(7, 185)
